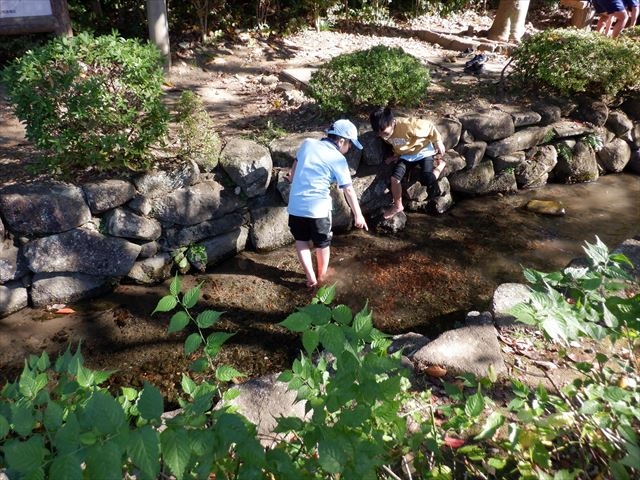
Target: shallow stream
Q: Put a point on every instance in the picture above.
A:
(423, 279)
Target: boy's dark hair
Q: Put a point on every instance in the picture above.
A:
(380, 119)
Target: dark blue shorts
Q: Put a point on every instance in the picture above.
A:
(316, 230)
(630, 3)
(609, 6)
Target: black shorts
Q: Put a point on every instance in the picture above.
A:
(316, 230)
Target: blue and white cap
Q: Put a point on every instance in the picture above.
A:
(345, 129)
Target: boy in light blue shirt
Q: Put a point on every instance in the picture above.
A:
(318, 164)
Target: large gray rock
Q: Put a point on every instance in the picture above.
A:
(570, 128)
(614, 156)
(520, 140)
(195, 204)
(511, 161)
(522, 117)
(472, 152)
(262, 401)
(81, 251)
(451, 130)
(121, 222)
(471, 349)
(12, 263)
(52, 288)
(534, 171)
(475, 181)
(13, 297)
(488, 125)
(591, 111)
(619, 123)
(248, 164)
(374, 149)
(225, 246)
(283, 150)
(35, 209)
(107, 194)
(153, 270)
(180, 237)
(577, 167)
(269, 227)
(505, 297)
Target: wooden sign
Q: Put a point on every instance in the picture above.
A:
(31, 16)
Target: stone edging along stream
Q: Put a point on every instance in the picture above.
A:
(64, 242)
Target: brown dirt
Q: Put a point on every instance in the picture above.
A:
(254, 290)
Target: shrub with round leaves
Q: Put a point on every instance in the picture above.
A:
(377, 76)
(90, 101)
(572, 61)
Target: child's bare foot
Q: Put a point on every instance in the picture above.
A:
(324, 279)
(394, 210)
(312, 284)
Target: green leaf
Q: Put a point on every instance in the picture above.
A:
(65, 467)
(363, 324)
(474, 405)
(319, 314)
(226, 373)
(22, 419)
(331, 456)
(105, 460)
(103, 414)
(310, 341)
(4, 427)
(207, 318)
(333, 339)
(176, 286)
(297, 322)
(188, 385)
(26, 456)
(342, 314)
(326, 294)
(166, 304)
(178, 321)
(144, 449)
(175, 451)
(53, 417)
(191, 296)
(494, 421)
(150, 404)
(192, 343)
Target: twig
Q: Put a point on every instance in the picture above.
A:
(390, 472)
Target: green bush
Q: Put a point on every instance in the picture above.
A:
(377, 76)
(572, 61)
(198, 140)
(90, 102)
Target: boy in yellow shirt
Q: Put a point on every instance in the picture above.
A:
(415, 141)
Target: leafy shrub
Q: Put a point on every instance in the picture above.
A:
(90, 101)
(377, 76)
(198, 140)
(571, 61)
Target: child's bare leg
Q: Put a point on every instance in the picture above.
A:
(396, 193)
(322, 259)
(303, 249)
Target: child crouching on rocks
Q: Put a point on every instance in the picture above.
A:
(415, 141)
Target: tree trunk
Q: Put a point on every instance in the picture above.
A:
(159, 29)
(508, 24)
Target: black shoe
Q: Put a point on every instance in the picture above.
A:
(477, 60)
(475, 68)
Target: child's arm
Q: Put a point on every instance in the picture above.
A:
(352, 200)
(292, 171)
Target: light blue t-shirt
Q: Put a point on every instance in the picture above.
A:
(320, 164)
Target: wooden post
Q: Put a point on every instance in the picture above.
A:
(159, 28)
